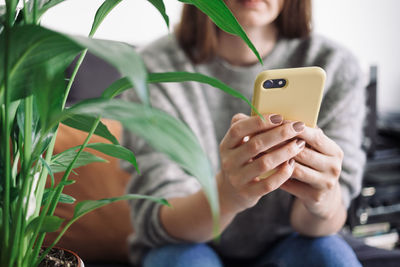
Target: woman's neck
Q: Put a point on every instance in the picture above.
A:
(234, 50)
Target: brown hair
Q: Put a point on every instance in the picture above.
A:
(198, 35)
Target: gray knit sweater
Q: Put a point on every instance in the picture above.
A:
(208, 111)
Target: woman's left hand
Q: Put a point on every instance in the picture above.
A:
(316, 174)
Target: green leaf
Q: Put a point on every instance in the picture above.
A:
(197, 77)
(89, 205)
(44, 163)
(49, 92)
(64, 198)
(43, 6)
(115, 151)
(33, 46)
(102, 12)
(159, 4)
(123, 58)
(67, 182)
(12, 111)
(40, 140)
(220, 14)
(47, 4)
(116, 88)
(20, 119)
(123, 84)
(162, 131)
(50, 224)
(12, 7)
(60, 162)
(84, 123)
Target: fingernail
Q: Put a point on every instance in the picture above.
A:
(276, 119)
(298, 126)
(291, 162)
(300, 143)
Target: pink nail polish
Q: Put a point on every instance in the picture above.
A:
(276, 119)
(300, 143)
(298, 126)
(291, 162)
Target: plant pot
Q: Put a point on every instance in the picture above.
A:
(58, 257)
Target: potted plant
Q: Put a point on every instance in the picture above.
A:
(33, 93)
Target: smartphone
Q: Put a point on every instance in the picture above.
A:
(294, 93)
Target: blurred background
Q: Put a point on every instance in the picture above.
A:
(367, 27)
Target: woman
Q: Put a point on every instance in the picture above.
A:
(278, 220)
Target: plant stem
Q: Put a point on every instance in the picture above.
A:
(28, 133)
(50, 149)
(6, 144)
(71, 165)
(20, 219)
(5, 245)
(72, 79)
(55, 241)
(35, 10)
(27, 154)
(54, 200)
(49, 152)
(37, 229)
(26, 14)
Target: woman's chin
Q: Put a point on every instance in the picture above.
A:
(252, 4)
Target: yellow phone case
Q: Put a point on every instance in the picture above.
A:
(298, 100)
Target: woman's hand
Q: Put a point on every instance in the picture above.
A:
(246, 154)
(316, 179)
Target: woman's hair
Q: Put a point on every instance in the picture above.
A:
(197, 34)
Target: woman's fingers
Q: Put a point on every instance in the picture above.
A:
(301, 190)
(238, 117)
(269, 161)
(264, 141)
(316, 138)
(272, 182)
(242, 127)
(314, 159)
(311, 177)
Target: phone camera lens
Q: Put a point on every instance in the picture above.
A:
(282, 83)
(268, 84)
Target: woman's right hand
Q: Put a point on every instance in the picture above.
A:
(246, 154)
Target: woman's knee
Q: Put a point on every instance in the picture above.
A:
(182, 255)
(299, 251)
(328, 251)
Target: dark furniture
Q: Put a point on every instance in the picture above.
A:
(379, 200)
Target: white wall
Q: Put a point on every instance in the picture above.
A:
(133, 21)
(368, 27)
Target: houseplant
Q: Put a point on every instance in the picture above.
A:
(33, 92)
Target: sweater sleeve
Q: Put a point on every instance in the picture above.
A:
(342, 119)
(160, 177)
